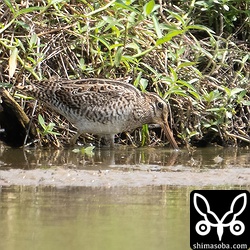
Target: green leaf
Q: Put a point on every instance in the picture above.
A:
(145, 134)
(103, 41)
(33, 40)
(27, 10)
(245, 58)
(157, 26)
(174, 74)
(148, 7)
(236, 91)
(125, 5)
(10, 6)
(116, 45)
(20, 44)
(195, 94)
(137, 80)
(54, 1)
(24, 97)
(185, 64)
(41, 122)
(227, 90)
(177, 17)
(101, 9)
(214, 109)
(186, 84)
(76, 150)
(133, 46)
(241, 95)
(246, 103)
(179, 92)
(82, 64)
(143, 84)
(199, 27)
(193, 133)
(226, 7)
(149, 68)
(47, 129)
(168, 37)
(5, 85)
(232, 92)
(89, 150)
(118, 56)
(50, 126)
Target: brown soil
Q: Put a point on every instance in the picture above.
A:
(60, 177)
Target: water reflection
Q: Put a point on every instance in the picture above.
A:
(94, 218)
(124, 157)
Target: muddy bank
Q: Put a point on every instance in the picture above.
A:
(60, 177)
(124, 167)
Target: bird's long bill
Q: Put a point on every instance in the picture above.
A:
(169, 135)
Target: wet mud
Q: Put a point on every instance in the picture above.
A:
(111, 178)
(127, 167)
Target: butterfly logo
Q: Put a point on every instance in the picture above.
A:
(203, 227)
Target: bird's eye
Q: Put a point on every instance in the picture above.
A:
(160, 105)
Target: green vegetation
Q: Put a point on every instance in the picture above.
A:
(194, 54)
(47, 129)
(88, 150)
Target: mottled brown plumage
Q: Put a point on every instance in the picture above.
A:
(102, 107)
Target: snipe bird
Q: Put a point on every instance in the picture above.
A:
(102, 107)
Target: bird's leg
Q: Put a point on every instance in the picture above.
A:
(112, 141)
(109, 140)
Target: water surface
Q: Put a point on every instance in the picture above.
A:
(126, 198)
(124, 158)
(94, 218)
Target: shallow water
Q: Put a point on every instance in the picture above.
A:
(87, 218)
(125, 166)
(124, 198)
(125, 158)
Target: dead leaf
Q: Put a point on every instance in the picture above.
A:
(13, 62)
